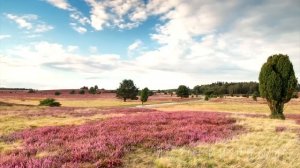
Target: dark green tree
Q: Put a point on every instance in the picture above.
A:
(127, 90)
(183, 91)
(92, 90)
(197, 90)
(144, 95)
(277, 82)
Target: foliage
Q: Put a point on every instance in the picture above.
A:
(57, 93)
(277, 83)
(223, 88)
(127, 90)
(255, 95)
(31, 91)
(103, 144)
(144, 95)
(92, 90)
(183, 91)
(72, 92)
(295, 95)
(81, 91)
(206, 98)
(49, 102)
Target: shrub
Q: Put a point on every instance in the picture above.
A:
(206, 98)
(57, 93)
(72, 92)
(295, 95)
(144, 95)
(92, 90)
(49, 102)
(81, 91)
(31, 91)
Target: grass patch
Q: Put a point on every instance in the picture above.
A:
(290, 108)
(10, 123)
(261, 147)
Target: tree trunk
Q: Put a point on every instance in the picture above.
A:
(124, 99)
(142, 102)
(276, 109)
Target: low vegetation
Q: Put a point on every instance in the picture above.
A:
(49, 102)
(103, 144)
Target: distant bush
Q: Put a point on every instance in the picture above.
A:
(206, 98)
(49, 102)
(92, 90)
(57, 93)
(81, 91)
(31, 91)
(255, 95)
(295, 95)
(72, 92)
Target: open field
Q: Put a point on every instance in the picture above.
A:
(85, 132)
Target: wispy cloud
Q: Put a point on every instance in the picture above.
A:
(29, 22)
(62, 4)
(4, 36)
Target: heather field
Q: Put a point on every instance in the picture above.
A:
(167, 132)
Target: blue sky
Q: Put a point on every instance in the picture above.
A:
(160, 43)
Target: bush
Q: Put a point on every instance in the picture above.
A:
(31, 91)
(57, 93)
(81, 91)
(295, 95)
(206, 98)
(72, 92)
(49, 102)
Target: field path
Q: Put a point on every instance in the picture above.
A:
(165, 104)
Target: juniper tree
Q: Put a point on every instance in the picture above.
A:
(277, 82)
(183, 91)
(144, 95)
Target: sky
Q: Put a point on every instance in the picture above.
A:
(159, 44)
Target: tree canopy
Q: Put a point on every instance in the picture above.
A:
(277, 82)
(127, 90)
(183, 91)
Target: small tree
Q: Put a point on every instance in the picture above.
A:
(72, 92)
(127, 90)
(277, 82)
(197, 90)
(81, 91)
(255, 95)
(92, 90)
(183, 91)
(144, 95)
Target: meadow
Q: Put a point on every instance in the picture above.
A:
(166, 132)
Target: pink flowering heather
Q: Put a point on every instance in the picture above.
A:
(103, 144)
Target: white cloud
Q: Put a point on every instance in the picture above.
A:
(4, 36)
(136, 44)
(93, 49)
(79, 29)
(30, 23)
(62, 4)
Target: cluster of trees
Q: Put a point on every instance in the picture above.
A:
(225, 88)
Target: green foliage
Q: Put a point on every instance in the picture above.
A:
(295, 95)
(206, 98)
(49, 102)
(81, 91)
(197, 90)
(72, 92)
(57, 93)
(277, 83)
(127, 90)
(31, 91)
(255, 95)
(144, 95)
(183, 91)
(92, 90)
